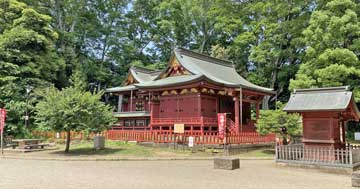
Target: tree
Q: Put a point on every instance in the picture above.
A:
(333, 48)
(278, 121)
(71, 109)
(27, 57)
(269, 49)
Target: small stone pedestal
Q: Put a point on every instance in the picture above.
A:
(355, 179)
(226, 163)
(99, 142)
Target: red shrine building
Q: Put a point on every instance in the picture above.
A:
(325, 113)
(191, 90)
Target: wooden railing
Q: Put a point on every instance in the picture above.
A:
(297, 153)
(208, 137)
(199, 138)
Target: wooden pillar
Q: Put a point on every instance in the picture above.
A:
(237, 118)
(343, 131)
(257, 110)
(119, 108)
(202, 125)
(241, 112)
(131, 100)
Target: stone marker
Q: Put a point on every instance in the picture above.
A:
(355, 179)
(227, 163)
(99, 142)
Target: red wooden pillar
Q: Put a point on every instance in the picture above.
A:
(202, 125)
(343, 131)
(257, 110)
(237, 114)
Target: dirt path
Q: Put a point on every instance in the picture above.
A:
(161, 174)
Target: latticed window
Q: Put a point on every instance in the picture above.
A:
(139, 106)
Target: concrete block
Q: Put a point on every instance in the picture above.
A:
(99, 142)
(355, 179)
(226, 163)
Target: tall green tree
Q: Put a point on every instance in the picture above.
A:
(27, 57)
(333, 47)
(72, 109)
(270, 48)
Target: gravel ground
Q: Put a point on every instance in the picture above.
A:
(161, 174)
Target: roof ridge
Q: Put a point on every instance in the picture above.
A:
(323, 89)
(144, 70)
(208, 58)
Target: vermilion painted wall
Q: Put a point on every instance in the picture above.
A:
(177, 106)
(321, 129)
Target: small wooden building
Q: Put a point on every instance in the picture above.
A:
(325, 113)
(191, 90)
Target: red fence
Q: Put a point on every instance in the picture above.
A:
(169, 137)
(206, 138)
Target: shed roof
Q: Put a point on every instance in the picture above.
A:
(320, 99)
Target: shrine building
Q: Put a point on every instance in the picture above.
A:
(325, 113)
(191, 90)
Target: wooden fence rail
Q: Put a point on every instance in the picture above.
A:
(297, 153)
(169, 137)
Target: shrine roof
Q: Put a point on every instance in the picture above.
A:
(131, 114)
(169, 81)
(199, 66)
(121, 89)
(321, 99)
(217, 70)
(143, 74)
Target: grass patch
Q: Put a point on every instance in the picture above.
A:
(258, 153)
(120, 148)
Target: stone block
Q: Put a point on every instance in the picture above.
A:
(99, 142)
(355, 179)
(226, 163)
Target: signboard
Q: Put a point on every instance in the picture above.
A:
(357, 135)
(191, 142)
(2, 119)
(179, 128)
(221, 124)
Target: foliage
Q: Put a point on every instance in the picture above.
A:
(72, 110)
(332, 54)
(27, 57)
(277, 44)
(278, 121)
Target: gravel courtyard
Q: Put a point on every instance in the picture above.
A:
(160, 174)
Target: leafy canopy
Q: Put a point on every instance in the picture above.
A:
(278, 121)
(333, 48)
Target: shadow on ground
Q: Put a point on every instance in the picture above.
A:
(88, 151)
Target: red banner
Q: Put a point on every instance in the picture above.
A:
(2, 119)
(221, 124)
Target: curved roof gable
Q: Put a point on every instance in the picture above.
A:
(217, 70)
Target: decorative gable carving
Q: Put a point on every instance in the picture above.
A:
(130, 80)
(174, 69)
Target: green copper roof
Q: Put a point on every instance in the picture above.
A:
(200, 66)
(169, 81)
(131, 114)
(217, 70)
(143, 74)
(325, 99)
(121, 89)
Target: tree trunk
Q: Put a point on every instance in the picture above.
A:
(285, 142)
(67, 141)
